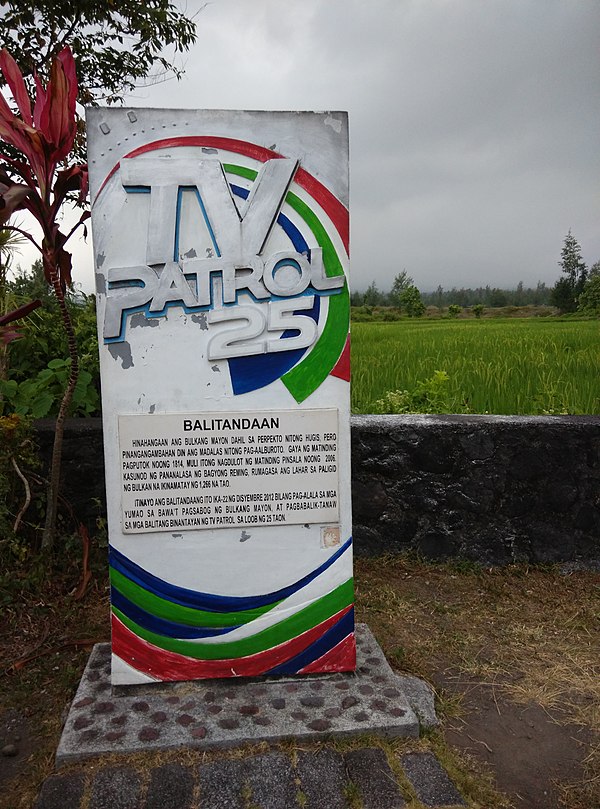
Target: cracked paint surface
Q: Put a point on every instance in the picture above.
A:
(139, 320)
(121, 351)
(201, 320)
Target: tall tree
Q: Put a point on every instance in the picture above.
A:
(410, 301)
(401, 283)
(569, 287)
(115, 45)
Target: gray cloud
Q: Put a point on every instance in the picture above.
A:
(474, 125)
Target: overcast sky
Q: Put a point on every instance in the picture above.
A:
(474, 124)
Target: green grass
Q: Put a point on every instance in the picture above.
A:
(508, 366)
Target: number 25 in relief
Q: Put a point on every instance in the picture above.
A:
(260, 333)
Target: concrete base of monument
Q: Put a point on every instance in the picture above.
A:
(209, 714)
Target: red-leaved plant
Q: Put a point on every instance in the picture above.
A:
(42, 139)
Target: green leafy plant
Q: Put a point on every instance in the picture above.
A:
(40, 396)
(42, 138)
(431, 395)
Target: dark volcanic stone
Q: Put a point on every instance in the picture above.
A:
(185, 720)
(437, 545)
(378, 705)
(89, 735)
(115, 735)
(83, 702)
(371, 774)
(248, 710)
(349, 702)
(116, 788)
(158, 716)
(229, 724)
(312, 702)
(61, 791)
(82, 722)
(171, 787)
(140, 706)
(271, 781)
(103, 707)
(148, 734)
(199, 733)
(319, 724)
(278, 703)
(221, 784)
(430, 780)
(322, 778)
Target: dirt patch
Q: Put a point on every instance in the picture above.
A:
(513, 654)
(16, 743)
(533, 754)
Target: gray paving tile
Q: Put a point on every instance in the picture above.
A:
(370, 772)
(322, 776)
(430, 780)
(221, 784)
(171, 787)
(271, 781)
(116, 788)
(61, 792)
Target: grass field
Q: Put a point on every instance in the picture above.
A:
(510, 366)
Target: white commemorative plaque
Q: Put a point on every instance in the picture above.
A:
(207, 470)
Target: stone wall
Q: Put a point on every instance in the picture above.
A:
(492, 489)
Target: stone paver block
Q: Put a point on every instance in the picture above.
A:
(370, 772)
(61, 792)
(430, 780)
(271, 781)
(221, 784)
(322, 776)
(171, 787)
(116, 788)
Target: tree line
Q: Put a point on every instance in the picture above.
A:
(576, 290)
(489, 296)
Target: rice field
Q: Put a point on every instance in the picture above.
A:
(509, 366)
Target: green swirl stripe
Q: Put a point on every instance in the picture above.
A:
(162, 608)
(285, 630)
(312, 371)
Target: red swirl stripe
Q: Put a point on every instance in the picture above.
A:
(335, 210)
(165, 665)
(341, 658)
